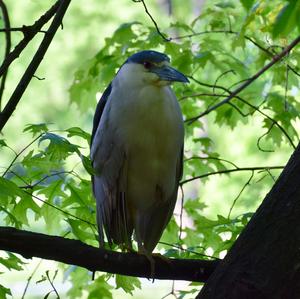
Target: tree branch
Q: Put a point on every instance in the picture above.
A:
(153, 21)
(7, 46)
(263, 262)
(191, 120)
(74, 252)
(35, 62)
(233, 94)
(29, 33)
(229, 171)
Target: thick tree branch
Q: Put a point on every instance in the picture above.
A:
(233, 94)
(264, 261)
(74, 252)
(35, 62)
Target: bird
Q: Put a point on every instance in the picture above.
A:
(136, 150)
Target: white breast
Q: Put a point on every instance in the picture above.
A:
(149, 123)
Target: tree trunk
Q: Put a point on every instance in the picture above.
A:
(265, 260)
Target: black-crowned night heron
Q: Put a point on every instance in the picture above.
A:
(136, 151)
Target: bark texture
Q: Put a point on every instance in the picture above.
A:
(74, 252)
(264, 263)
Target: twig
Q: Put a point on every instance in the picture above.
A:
(286, 88)
(189, 250)
(250, 105)
(153, 21)
(229, 171)
(52, 283)
(7, 46)
(35, 62)
(29, 33)
(275, 59)
(19, 154)
(230, 31)
(240, 193)
(24, 29)
(181, 214)
(211, 158)
(172, 292)
(29, 278)
(92, 225)
(222, 75)
(261, 137)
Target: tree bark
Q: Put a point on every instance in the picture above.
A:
(74, 252)
(264, 262)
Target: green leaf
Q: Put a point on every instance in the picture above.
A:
(100, 289)
(3, 143)
(36, 129)
(225, 4)
(79, 233)
(4, 292)
(287, 19)
(59, 147)
(12, 262)
(24, 204)
(9, 189)
(76, 131)
(128, 284)
(87, 164)
(247, 3)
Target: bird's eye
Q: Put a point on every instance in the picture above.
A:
(147, 64)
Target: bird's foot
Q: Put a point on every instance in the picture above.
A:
(150, 258)
(162, 257)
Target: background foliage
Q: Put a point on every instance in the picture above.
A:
(45, 184)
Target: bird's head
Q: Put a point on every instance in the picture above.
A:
(150, 67)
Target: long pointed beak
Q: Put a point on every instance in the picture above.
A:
(167, 73)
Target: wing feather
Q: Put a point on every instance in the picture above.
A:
(109, 181)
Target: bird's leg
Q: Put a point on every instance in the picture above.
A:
(142, 250)
(162, 257)
(127, 248)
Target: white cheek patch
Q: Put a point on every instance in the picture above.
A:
(151, 77)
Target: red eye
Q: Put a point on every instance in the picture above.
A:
(147, 64)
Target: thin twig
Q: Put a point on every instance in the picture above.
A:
(230, 31)
(35, 62)
(229, 171)
(181, 214)
(153, 21)
(275, 59)
(240, 193)
(23, 29)
(19, 154)
(30, 278)
(93, 225)
(286, 89)
(211, 158)
(189, 250)
(7, 45)
(248, 104)
(52, 282)
(29, 33)
(261, 137)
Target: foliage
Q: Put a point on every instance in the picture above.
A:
(46, 185)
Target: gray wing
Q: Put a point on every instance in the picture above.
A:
(109, 181)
